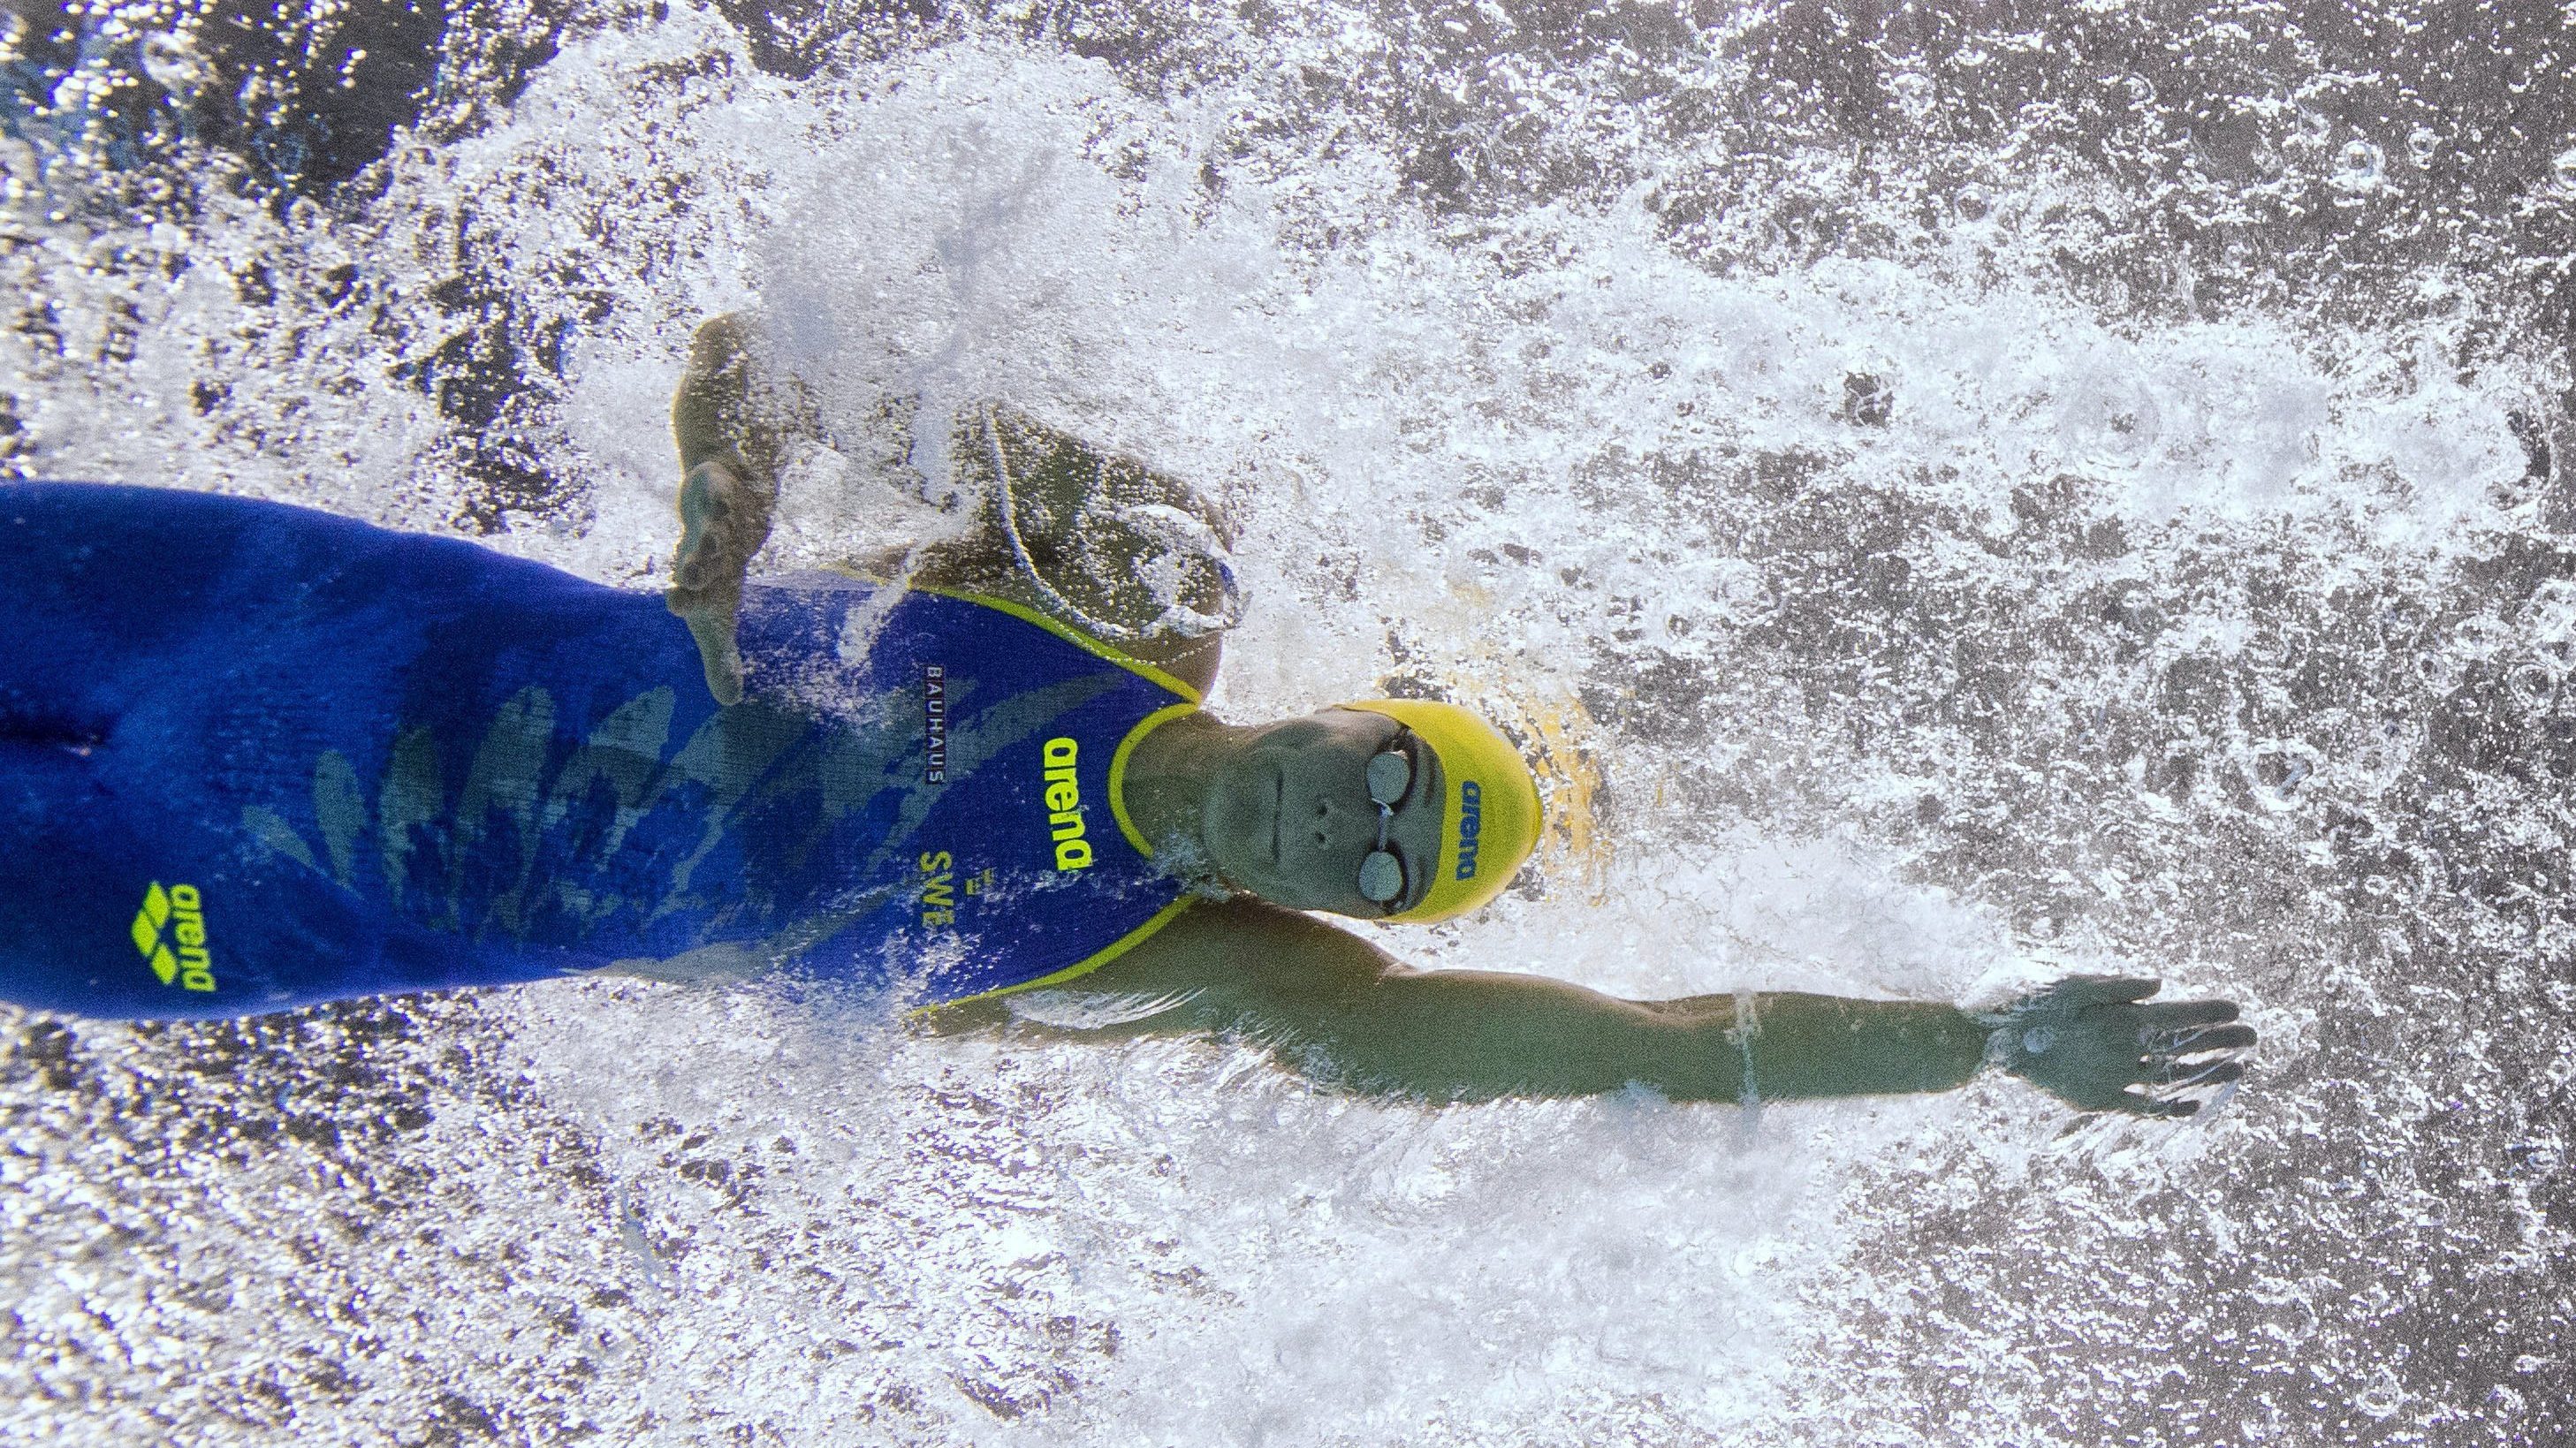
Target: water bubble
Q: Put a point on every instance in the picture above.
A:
(1972, 204)
(2359, 166)
(172, 63)
(2110, 421)
(2563, 171)
(2384, 1396)
(1867, 401)
(1914, 93)
(2278, 771)
(2421, 143)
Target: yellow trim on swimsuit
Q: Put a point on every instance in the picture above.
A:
(1069, 634)
(1026, 614)
(1117, 773)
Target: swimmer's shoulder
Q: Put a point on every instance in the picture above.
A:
(1125, 554)
(1246, 934)
(983, 567)
(1121, 552)
(1193, 661)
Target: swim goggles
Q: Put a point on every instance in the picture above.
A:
(1390, 774)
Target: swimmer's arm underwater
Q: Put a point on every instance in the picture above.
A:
(1344, 1013)
(1062, 528)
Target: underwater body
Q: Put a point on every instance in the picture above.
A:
(1960, 495)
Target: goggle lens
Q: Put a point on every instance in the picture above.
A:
(1390, 774)
(1381, 878)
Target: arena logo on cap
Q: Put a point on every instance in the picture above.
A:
(1471, 822)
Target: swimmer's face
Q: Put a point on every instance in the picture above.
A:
(1289, 818)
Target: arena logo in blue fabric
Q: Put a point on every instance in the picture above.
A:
(180, 911)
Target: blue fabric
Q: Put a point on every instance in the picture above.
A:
(312, 759)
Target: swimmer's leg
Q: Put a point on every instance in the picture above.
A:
(54, 887)
(167, 678)
(75, 820)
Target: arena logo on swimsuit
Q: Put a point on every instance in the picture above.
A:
(1064, 806)
(183, 911)
(1471, 823)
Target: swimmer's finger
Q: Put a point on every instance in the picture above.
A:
(2088, 990)
(2216, 1073)
(2163, 1107)
(2139, 1101)
(2182, 1015)
(2160, 1038)
(2208, 1038)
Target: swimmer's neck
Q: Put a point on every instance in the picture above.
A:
(1168, 778)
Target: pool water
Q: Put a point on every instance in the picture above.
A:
(1960, 495)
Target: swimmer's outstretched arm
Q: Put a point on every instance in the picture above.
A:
(1336, 1008)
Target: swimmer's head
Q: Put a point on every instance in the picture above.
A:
(1397, 809)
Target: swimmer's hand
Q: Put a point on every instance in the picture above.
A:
(718, 536)
(2095, 1041)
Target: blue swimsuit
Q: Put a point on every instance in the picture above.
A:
(253, 757)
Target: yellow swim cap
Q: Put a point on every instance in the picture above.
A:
(1489, 823)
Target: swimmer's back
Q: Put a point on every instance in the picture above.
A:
(313, 759)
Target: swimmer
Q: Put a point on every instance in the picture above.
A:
(254, 757)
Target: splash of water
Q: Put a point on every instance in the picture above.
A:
(1918, 618)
